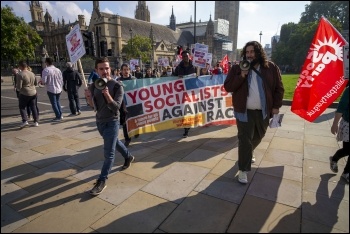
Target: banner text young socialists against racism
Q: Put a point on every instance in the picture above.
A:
(179, 103)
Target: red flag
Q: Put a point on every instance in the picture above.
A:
(321, 80)
(224, 64)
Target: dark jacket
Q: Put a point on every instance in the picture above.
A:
(181, 70)
(272, 83)
(71, 80)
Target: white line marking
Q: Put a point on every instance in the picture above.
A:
(43, 103)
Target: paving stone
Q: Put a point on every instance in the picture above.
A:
(142, 212)
(89, 209)
(276, 189)
(10, 219)
(177, 182)
(324, 209)
(290, 145)
(271, 217)
(194, 217)
(227, 189)
(203, 158)
(284, 157)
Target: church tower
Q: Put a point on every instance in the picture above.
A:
(229, 10)
(36, 11)
(142, 12)
(172, 20)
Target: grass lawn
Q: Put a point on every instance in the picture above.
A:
(289, 82)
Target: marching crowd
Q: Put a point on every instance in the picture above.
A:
(257, 95)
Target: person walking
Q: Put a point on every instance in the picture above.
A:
(71, 84)
(341, 129)
(53, 81)
(257, 94)
(125, 75)
(107, 103)
(25, 84)
(185, 68)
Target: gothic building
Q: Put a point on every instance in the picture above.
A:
(112, 32)
(142, 12)
(53, 33)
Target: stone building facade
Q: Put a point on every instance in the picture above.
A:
(53, 33)
(112, 32)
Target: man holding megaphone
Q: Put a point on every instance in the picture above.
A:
(257, 94)
(106, 96)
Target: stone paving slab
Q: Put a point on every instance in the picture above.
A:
(175, 184)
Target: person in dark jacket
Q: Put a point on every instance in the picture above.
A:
(125, 75)
(71, 83)
(185, 68)
(257, 94)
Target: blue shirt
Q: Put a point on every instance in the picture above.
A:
(243, 117)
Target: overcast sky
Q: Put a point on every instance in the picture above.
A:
(254, 16)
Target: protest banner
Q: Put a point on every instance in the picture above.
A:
(157, 104)
(133, 63)
(75, 44)
(321, 80)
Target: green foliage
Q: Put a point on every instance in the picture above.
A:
(18, 39)
(295, 39)
(338, 10)
(137, 47)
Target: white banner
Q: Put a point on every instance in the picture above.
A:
(75, 44)
(163, 62)
(133, 63)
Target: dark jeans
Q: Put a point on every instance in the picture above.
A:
(74, 104)
(342, 153)
(55, 103)
(250, 135)
(28, 102)
(109, 131)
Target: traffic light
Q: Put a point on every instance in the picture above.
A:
(103, 47)
(90, 43)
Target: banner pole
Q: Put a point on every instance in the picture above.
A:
(82, 73)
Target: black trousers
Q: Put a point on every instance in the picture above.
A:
(342, 153)
(74, 103)
(26, 102)
(250, 135)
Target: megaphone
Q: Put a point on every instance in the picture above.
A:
(244, 65)
(101, 83)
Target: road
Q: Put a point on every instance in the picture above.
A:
(9, 101)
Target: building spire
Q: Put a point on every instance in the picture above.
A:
(172, 19)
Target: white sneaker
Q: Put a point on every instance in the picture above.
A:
(36, 124)
(242, 177)
(25, 124)
(253, 159)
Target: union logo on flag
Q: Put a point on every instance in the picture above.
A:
(321, 80)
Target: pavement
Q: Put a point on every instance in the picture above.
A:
(175, 184)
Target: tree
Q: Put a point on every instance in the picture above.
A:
(18, 39)
(295, 39)
(138, 47)
(338, 10)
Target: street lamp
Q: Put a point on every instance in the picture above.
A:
(152, 56)
(260, 36)
(130, 31)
